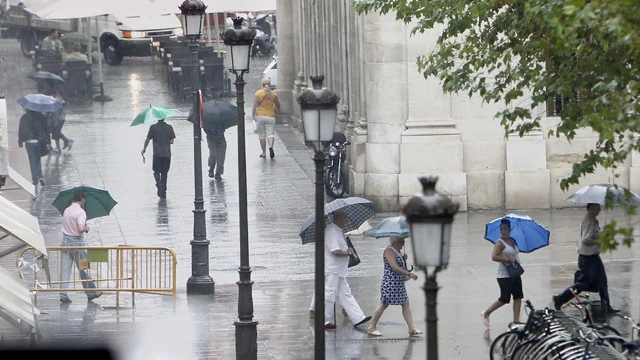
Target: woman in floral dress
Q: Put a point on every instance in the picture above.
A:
(392, 289)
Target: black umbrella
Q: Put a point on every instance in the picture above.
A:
(218, 115)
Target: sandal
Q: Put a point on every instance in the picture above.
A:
(263, 155)
(415, 332)
(485, 319)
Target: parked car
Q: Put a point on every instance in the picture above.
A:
(272, 72)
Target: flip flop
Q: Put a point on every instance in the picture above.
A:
(374, 333)
(263, 155)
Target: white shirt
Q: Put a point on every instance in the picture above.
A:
(334, 240)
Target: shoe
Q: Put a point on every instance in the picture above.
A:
(312, 314)
(515, 324)
(65, 300)
(415, 332)
(41, 182)
(263, 155)
(68, 144)
(210, 174)
(611, 310)
(57, 150)
(363, 321)
(271, 153)
(557, 303)
(218, 177)
(94, 296)
(374, 332)
(485, 320)
(329, 326)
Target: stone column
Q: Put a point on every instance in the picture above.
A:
(385, 54)
(286, 59)
(430, 141)
(527, 165)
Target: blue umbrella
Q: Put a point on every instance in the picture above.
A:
(393, 226)
(528, 234)
(40, 103)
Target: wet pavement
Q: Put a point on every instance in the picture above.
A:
(106, 154)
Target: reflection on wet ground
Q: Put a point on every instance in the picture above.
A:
(280, 194)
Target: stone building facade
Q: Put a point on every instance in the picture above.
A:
(403, 126)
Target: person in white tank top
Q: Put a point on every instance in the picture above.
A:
(505, 251)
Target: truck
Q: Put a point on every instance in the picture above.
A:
(119, 34)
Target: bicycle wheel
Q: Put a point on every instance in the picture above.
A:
(502, 347)
(605, 330)
(524, 349)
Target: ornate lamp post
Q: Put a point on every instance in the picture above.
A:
(319, 110)
(238, 42)
(430, 215)
(200, 283)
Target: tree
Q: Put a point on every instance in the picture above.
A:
(580, 53)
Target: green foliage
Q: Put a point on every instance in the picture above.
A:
(500, 50)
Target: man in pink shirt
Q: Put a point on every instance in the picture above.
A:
(74, 225)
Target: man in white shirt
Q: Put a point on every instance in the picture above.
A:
(336, 264)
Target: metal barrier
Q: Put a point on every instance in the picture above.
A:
(124, 268)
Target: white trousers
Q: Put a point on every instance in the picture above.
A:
(337, 288)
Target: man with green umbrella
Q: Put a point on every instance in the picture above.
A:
(74, 225)
(162, 135)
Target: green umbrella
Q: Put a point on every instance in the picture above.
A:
(153, 114)
(99, 202)
(77, 38)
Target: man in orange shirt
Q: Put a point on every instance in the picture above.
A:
(74, 225)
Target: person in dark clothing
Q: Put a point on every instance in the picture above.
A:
(33, 132)
(592, 273)
(217, 152)
(56, 120)
(162, 135)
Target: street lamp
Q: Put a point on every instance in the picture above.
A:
(430, 215)
(319, 109)
(238, 42)
(200, 283)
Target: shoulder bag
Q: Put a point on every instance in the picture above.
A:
(354, 259)
(514, 269)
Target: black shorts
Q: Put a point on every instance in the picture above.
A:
(510, 287)
(161, 164)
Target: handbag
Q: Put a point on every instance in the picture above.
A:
(354, 259)
(514, 269)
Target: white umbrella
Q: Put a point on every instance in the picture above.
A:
(597, 194)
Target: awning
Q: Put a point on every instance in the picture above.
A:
(15, 302)
(220, 6)
(21, 225)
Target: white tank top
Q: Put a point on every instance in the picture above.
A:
(508, 251)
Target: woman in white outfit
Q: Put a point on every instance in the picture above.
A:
(505, 251)
(265, 108)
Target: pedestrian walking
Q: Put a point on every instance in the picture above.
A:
(392, 289)
(33, 132)
(505, 252)
(56, 120)
(217, 152)
(265, 108)
(336, 254)
(592, 275)
(74, 225)
(162, 135)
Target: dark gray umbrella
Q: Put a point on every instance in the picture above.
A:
(218, 115)
(46, 75)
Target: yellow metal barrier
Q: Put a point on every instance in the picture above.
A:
(125, 268)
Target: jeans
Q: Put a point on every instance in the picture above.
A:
(33, 152)
(68, 257)
(217, 152)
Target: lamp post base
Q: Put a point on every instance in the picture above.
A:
(201, 285)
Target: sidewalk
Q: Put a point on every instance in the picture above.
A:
(106, 154)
